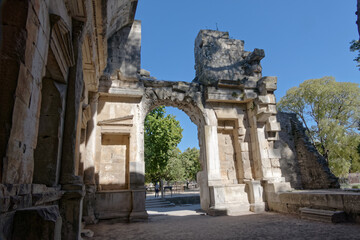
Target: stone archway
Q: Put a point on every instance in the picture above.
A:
(188, 98)
(233, 107)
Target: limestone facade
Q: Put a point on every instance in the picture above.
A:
(73, 103)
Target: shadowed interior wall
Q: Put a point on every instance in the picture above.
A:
(47, 154)
(14, 16)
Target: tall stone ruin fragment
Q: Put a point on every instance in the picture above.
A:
(244, 105)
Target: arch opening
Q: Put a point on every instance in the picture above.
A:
(179, 173)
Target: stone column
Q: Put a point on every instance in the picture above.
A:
(201, 176)
(137, 170)
(89, 164)
(73, 99)
(216, 190)
(71, 202)
(212, 155)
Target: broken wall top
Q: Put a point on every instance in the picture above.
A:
(219, 59)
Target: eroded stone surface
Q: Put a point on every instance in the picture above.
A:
(74, 100)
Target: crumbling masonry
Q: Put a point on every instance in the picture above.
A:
(73, 103)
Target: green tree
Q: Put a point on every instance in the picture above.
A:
(183, 166)
(175, 170)
(190, 161)
(162, 135)
(330, 113)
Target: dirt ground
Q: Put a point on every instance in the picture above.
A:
(184, 222)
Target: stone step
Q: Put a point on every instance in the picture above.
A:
(155, 199)
(322, 215)
(160, 205)
(157, 203)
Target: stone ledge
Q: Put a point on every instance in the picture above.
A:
(323, 215)
(291, 202)
(20, 196)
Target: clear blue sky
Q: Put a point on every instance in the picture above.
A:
(302, 39)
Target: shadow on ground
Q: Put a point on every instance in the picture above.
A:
(187, 222)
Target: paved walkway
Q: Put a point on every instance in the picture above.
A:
(184, 222)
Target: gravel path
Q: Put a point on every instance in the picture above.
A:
(185, 223)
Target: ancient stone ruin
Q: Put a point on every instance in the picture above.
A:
(73, 103)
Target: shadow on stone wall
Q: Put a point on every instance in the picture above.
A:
(300, 162)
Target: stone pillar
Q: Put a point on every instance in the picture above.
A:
(212, 155)
(138, 205)
(71, 205)
(73, 99)
(266, 130)
(216, 190)
(255, 195)
(71, 202)
(89, 163)
(201, 176)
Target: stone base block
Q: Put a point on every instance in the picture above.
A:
(132, 207)
(257, 207)
(37, 223)
(277, 187)
(238, 209)
(138, 216)
(217, 211)
(108, 204)
(323, 215)
(6, 221)
(229, 200)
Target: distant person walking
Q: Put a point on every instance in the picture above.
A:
(157, 188)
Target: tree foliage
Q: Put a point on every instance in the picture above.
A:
(183, 166)
(174, 169)
(162, 135)
(330, 112)
(355, 47)
(190, 161)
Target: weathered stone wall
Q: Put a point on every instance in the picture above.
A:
(302, 165)
(288, 162)
(72, 129)
(52, 54)
(219, 58)
(124, 52)
(24, 66)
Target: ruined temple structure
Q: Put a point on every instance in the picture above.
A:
(73, 103)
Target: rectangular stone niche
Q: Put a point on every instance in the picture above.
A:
(114, 163)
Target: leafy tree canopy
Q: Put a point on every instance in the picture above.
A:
(190, 160)
(330, 112)
(162, 135)
(183, 166)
